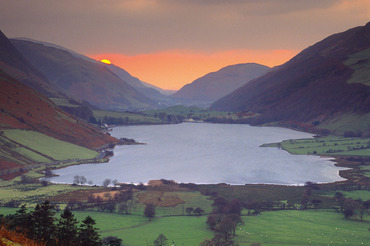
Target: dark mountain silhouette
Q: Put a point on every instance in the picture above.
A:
(19, 68)
(83, 78)
(324, 86)
(215, 85)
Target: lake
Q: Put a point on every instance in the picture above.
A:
(205, 153)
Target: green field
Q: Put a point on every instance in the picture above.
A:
(188, 112)
(309, 227)
(183, 230)
(285, 227)
(125, 117)
(32, 193)
(326, 146)
(40, 147)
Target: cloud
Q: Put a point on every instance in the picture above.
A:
(141, 26)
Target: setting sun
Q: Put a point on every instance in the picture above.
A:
(106, 61)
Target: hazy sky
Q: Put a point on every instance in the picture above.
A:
(172, 42)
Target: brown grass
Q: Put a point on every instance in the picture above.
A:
(159, 198)
(14, 238)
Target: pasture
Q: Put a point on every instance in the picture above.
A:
(309, 227)
(326, 146)
(40, 147)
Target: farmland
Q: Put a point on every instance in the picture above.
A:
(326, 146)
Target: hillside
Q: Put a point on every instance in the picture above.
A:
(215, 85)
(325, 86)
(82, 78)
(24, 108)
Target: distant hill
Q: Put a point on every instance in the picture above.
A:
(215, 85)
(82, 77)
(326, 86)
(156, 94)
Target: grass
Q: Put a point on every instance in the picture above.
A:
(310, 227)
(48, 146)
(134, 230)
(364, 195)
(182, 230)
(189, 112)
(33, 193)
(347, 122)
(190, 199)
(62, 102)
(326, 146)
(127, 117)
(360, 63)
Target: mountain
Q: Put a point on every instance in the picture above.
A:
(156, 94)
(25, 108)
(325, 86)
(215, 85)
(18, 67)
(81, 77)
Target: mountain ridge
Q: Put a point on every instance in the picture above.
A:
(311, 88)
(215, 85)
(82, 77)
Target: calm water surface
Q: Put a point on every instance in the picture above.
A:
(205, 153)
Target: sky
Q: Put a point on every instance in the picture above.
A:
(170, 43)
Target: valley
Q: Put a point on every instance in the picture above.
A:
(245, 155)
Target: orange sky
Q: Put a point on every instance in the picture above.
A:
(173, 69)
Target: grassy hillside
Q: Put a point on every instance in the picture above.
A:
(360, 63)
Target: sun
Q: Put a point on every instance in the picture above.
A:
(106, 61)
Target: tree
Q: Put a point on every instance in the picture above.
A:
(149, 211)
(112, 241)
(348, 213)
(43, 228)
(225, 227)
(198, 211)
(106, 182)
(189, 210)
(88, 235)
(67, 229)
(160, 241)
(76, 179)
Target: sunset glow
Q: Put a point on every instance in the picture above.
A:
(106, 61)
(173, 69)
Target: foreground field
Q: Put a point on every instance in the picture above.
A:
(310, 227)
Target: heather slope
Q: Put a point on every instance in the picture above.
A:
(24, 108)
(312, 89)
(217, 84)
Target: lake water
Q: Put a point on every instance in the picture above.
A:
(205, 153)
